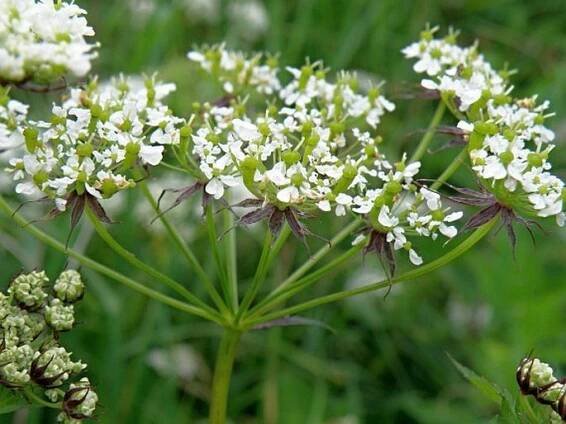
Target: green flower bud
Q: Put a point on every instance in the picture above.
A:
(28, 289)
(58, 316)
(31, 138)
(437, 215)
(291, 157)
(535, 159)
(69, 287)
(348, 175)
(297, 179)
(264, 129)
(393, 187)
(53, 366)
(475, 141)
(85, 150)
(506, 157)
(17, 361)
(79, 401)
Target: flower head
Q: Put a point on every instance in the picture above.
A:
(43, 41)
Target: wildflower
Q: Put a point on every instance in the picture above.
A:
(43, 41)
(508, 144)
(94, 142)
(31, 315)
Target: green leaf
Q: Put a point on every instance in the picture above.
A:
(10, 400)
(489, 389)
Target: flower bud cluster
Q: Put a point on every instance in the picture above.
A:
(537, 379)
(315, 149)
(43, 41)
(94, 140)
(31, 316)
(237, 72)
(508, 143)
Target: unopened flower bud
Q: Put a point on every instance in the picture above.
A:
(58, 316)
(69, 287)
(28, 289)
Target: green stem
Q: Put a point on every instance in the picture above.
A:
(101, 269)
(231, 256)
(301, 284)
(221, 269)
(134, 261)
(427, 137)
(278, 245)
(187, 253)
(259, 276)
(222, 375)
(38, 400)
(313, 260)
(463, 247)
(448, 172)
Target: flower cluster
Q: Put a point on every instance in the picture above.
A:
(508, 143)
(537, 379)
(94, 141)
(43, 40)
(31, 317)
(315, 149)
(236, 71)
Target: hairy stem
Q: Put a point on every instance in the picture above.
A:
(186, 251)
(103, 270)
(463, 247)
(427, 137)
(222, 375)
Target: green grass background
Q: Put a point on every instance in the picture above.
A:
(385, 360)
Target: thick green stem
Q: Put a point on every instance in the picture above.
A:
(463, 247)
(427, 137)
(222, 375)
(101, 269)
(187, 253)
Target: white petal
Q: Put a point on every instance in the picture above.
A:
(415, 258)
(215, 188)
(151, 154)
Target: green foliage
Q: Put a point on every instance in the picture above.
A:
(385, 363)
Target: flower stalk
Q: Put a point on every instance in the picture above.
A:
(222, 375)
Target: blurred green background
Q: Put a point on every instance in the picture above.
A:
(385, 361)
